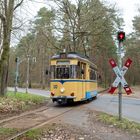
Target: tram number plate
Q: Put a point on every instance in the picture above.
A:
(55, 86)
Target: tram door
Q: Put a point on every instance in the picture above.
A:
(83, 65)
(81, 74)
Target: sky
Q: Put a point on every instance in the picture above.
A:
(127, 8)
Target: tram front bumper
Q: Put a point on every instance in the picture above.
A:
(62, 99)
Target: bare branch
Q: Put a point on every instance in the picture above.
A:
(18, 5)
(2, 17)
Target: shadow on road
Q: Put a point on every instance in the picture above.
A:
(73, 104)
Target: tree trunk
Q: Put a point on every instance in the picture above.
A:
(4, 62)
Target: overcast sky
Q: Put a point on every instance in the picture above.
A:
(128, 10)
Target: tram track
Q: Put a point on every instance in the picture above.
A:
(34, 111)
(22, 115)
(38, 110)
(38, 125)
(42, 108)
(42, 122)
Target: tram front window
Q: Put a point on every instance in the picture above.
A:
(63, 72)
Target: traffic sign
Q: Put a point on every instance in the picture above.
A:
(120, 76)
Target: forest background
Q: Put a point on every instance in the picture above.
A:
(88, 27)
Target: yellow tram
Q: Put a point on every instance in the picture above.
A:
(73, 78)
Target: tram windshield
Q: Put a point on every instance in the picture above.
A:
(63, 72)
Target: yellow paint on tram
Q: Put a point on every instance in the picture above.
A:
(73, 78)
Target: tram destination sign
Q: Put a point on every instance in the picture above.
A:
(63, 55)
(120, 76)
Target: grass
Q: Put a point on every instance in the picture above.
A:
(25, 97)
(124, 124)
(19, 102)
(38, 132)
(6, 132)
(32, 134)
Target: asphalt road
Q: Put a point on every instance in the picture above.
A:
(109, 104)
(104, 102)
(32, 91)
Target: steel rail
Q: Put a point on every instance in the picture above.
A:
(38, 125)
(44, 107)
(42, 124)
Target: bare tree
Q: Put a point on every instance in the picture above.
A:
(6, 19)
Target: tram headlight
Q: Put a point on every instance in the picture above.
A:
(62, 90)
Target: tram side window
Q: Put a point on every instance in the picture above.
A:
(93, 75)
(52, 72)
(81, 67)
(79, 75)
(73, 71)
(84, 69)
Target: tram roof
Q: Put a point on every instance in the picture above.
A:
(73, 55)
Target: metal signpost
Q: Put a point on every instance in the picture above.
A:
(17, 74)
(18, 62)
(27, 76)
(120, 72)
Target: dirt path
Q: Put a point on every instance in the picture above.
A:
(108, 132)
(78, 124)
(82, 124)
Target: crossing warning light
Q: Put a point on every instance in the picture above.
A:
(121, 36)
(128, 62)
(112, 63)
